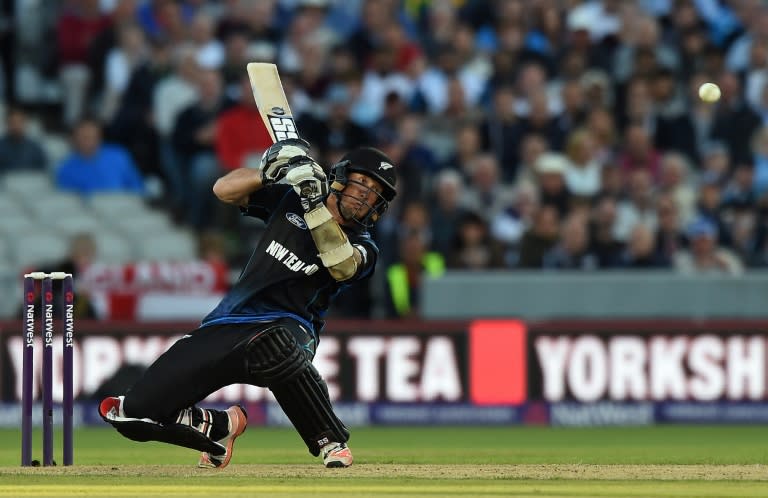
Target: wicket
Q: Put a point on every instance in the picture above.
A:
(47, 379)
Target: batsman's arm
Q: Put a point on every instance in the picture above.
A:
(237, 185)
(276, 161)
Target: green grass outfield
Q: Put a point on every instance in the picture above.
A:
(690, 461)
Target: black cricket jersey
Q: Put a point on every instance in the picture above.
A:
(284, 276)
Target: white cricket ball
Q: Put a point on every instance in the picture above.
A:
(709, 92)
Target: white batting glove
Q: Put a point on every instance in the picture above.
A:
(309, 181)
(277, 160)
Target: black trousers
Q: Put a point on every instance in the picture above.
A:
(198, 364)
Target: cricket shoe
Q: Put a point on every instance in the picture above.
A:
(336, 455)
(111, 408)
(238, 420)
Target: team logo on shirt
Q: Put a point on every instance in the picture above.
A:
(296, 220)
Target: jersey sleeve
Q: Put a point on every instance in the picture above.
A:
(262, 203)
(369, 252)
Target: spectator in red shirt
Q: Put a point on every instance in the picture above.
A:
(241, 136)
(80, 23)
(639, 154)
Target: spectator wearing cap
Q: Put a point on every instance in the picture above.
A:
(17, 149)
(705, 256)
(551, 168)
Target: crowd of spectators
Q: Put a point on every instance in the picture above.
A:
(527, 134)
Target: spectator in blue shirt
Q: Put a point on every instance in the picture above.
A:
(97, 167)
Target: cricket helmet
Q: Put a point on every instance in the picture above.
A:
(374, 164)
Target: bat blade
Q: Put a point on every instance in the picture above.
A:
(270, 99)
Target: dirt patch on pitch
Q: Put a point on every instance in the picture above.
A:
(544, 472)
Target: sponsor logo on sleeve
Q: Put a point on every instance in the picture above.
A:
(296, 220)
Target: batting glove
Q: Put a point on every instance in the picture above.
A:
(309, 181)
(277, 160)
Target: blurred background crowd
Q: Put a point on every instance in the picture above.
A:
(527, 134)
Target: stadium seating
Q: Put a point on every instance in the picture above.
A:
(171, 245)
(112, 205)
(27, 183)
(37, 247)
(114, 248)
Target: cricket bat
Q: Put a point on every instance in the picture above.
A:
(271, 101)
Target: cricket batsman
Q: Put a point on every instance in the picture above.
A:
(265, 331)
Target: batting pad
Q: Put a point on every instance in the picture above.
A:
(276, 361)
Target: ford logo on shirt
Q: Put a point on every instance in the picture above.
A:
(296, 220)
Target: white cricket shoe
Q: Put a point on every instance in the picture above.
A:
(336, 455)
